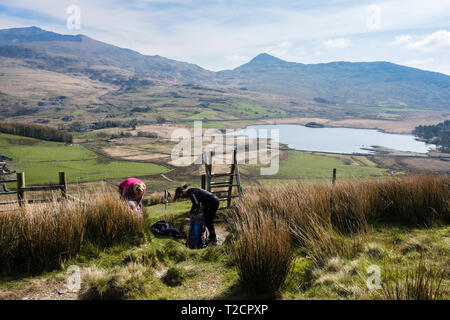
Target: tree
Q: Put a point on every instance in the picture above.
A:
(133, 124)
(161, 120)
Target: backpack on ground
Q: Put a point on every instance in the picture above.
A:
(163, 228)
(197, 233)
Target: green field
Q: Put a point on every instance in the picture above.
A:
(254, 111)
(301, 164)
(388, 116)
(305, 165)
(42, 160)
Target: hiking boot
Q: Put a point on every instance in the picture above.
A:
(212, 241)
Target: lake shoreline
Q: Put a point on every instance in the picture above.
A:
(405, 126)
(345, 141)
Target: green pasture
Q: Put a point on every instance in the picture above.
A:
(304, 165)
(255, 111)
(388, 116)
(42, 160)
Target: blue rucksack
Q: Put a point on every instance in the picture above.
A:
(197, 233)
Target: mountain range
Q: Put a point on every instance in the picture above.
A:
(342, 84)
(79, 53)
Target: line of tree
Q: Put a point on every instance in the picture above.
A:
(147, 134)
(36, 131)
(438, 134)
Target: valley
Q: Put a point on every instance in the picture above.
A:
(300, 233)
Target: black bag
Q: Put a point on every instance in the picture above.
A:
(163, 228)
(197, 233)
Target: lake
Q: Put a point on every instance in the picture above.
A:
(341, 140)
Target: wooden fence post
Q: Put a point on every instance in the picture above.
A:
(203, 181)
(20, 186)
(62, 182)
(208, 169)
(334, 176)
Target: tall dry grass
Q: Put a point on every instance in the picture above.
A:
(317, 216)
(156, 198)
(262, 252)
(42, 236)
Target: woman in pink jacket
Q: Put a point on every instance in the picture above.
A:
(132, 190)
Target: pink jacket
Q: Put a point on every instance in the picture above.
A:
(127, 193)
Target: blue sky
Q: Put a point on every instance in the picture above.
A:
(221, 34)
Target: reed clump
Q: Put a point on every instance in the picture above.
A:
(327, 221)
(424, 282)
(262, 252)
(42, 236)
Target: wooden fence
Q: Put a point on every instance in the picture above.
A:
(61, 185)
(22, 188)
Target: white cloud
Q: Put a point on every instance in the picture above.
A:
(339, 43)
(219, 34)
(420, 62)
(373, 20)
(402, 39)
(435, 41)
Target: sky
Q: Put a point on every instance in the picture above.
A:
(223, 34)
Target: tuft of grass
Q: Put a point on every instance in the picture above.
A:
(109, 220)
(145, 256)
(300, 276)
(175, 251)
(156, 198)
(174, 276)
(214, 253)
(374, 251)
(423, 283)
(129, 282)
(261, 251)
(41, 237)
(334, 264)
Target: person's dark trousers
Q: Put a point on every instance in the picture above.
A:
(210, 214)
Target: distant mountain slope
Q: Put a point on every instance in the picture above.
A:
(381, 85)
(361, 83)
(66, 53)
(16, 36)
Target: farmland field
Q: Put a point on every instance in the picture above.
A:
(309, 165)
(41, 160)
(302, 164)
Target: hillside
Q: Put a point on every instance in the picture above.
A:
(81, 54)
(49, 77)
(362, 83)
